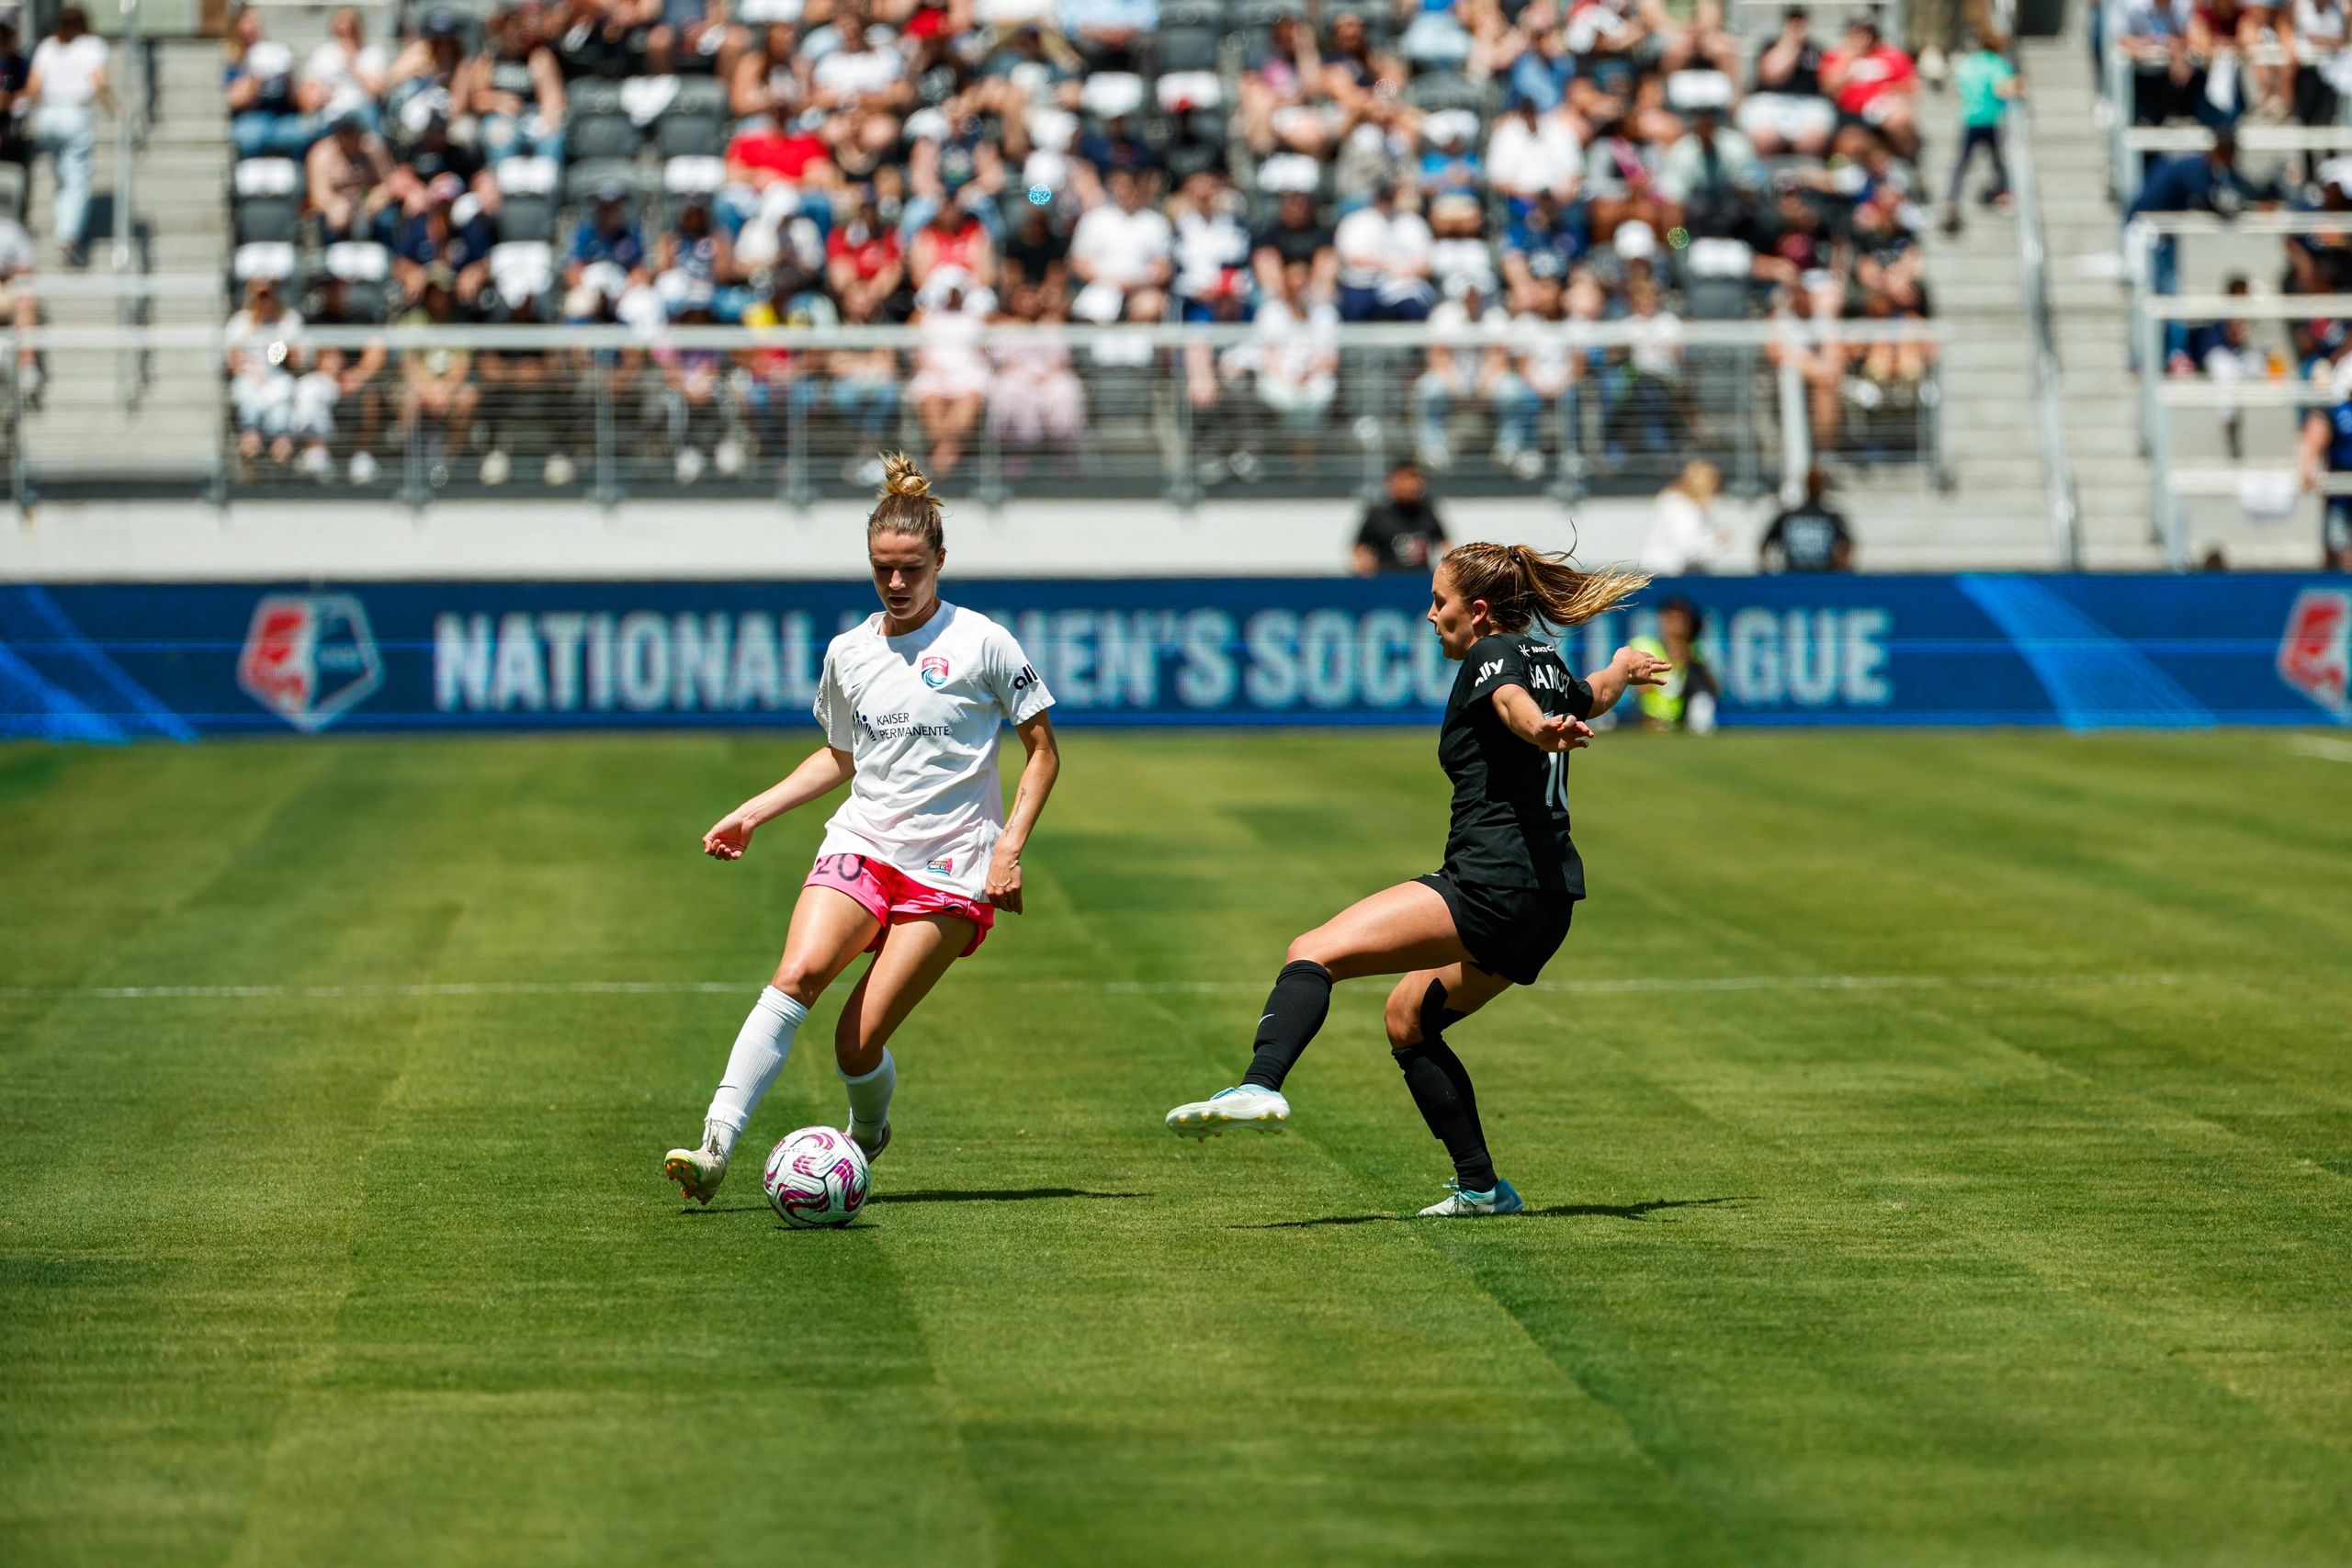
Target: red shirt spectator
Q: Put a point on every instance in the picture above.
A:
(1864, 77)
(867, 254)
(767, 149)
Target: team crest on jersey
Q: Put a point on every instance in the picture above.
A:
(308, 657)
(2315, 655)
(934, 670)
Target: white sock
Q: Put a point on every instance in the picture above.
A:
(869, 1097)
(761, 1048)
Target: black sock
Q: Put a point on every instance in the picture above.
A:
(1441, 1087)
(1295, 1010)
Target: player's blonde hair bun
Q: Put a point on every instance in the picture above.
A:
(900, 477)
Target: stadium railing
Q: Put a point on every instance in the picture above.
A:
(2185, 462)
(1174, 412)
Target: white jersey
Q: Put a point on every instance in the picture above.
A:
(920, 714)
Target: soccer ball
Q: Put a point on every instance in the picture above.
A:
(816, 1178)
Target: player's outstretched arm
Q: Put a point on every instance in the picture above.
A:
(824, 771)
(1037, 776)
(1632, 666)
(1545, 732)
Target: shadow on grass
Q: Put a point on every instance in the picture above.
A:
(1000, 1195)
(1635, 1212)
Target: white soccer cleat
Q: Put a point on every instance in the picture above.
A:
(699, 1171)
(872, 1151)
(1247, 1105)
(1460, 1204)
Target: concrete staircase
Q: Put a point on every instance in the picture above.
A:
(108, 414)
(1996, 515)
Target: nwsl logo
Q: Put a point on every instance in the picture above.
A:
(2315, 656)
(935, 672)
(308, 657)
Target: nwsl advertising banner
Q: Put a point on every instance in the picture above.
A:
(116, 662)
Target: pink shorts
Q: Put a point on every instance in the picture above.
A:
(890, 895)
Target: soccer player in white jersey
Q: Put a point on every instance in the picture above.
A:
(920, 857)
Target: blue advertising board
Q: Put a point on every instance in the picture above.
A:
(180, 660)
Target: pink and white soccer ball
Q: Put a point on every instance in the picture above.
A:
(816, 1178)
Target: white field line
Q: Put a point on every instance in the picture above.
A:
(1646, 984)
(2320, 745)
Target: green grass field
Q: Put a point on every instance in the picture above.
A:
(1940, 1146)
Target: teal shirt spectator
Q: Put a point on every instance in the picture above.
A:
(1978, 79)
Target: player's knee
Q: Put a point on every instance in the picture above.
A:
(797, 980)
(1402, 1017)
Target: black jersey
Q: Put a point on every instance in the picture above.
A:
(1510, 800)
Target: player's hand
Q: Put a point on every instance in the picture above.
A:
(1558, 732)
(729, 838)
(1003, 888)
(1643, 669)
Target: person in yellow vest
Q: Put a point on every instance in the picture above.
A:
(1686, 698)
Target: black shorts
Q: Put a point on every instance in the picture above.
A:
(1511, 931)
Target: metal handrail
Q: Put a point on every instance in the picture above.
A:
(2033, 267)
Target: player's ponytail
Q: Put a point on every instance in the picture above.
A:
(906, 505)
(1522, 585)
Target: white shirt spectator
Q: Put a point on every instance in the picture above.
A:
(1657, 347)
(68, 72)
(343, 75)
(1208, 250)
(1296, 351)
(1526, 161)
(1545, 361)
(858, 76)
(1457, 264)
(1681, 536)
(248, 340)
(1373, 246)
(1120, 247)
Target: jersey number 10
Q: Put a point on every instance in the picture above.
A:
(1555, 791)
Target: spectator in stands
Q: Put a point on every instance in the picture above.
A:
(1450, 165)
(267, 107)
(862, 89)
(768, 79)
(1984, 82)
(2196, 182)
(2168, 83)
(262, 341)
(523, 399)
(694, 260)
(1812, 535)
(692, 36)
(350, 181)
(1383, 262)
(1036, 255)
(1684, 539)
(1455, 372)
(1212, 248)
(1122, 254)
(2327, 452)
(1375, 125)
(1110, 34)
(1531, 155)
(1645, 396)
(1874, 84)
(1036, 398)
(347, 74)
(607, 235)
(1545, 371)
(2224, 349)
(1621, 177)
(1296, 235)
(514, 90)
(954, 238)
(1543, 243)
(864, 267)
(950, 386)
(18, 307)
(1283, 103)
(1401, 531)
(1298, 358)
(2320, 33)
(1787, 112)
(694, 383)
(358, 375)
(1805, 339)
(67, 78)
(865, 388)
(15, 71)
(422, 80)
(449, 233)
(1714, 177)
(596, 40)
(437, 392)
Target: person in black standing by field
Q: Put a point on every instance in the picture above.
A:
(1499, 906)
(1401, 531)
(1812, 535)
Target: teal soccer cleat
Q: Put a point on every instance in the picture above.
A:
(1461, 1204)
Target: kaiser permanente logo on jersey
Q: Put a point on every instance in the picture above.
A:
(308, 657)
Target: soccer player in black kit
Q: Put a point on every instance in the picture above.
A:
(1499, 907)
